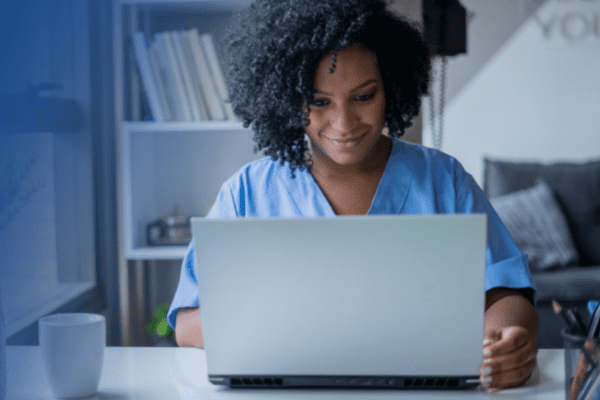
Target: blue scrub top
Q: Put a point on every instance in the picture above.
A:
(416, 180)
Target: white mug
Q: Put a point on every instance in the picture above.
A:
(72, 347)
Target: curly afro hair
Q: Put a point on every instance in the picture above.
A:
(273, 48)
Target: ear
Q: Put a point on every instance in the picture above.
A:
(386, 130)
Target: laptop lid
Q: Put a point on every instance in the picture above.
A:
(390, 300)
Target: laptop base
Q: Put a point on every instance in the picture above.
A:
(363, 382)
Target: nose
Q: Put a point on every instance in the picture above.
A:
(345, 118)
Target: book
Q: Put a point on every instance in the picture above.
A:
(214, 102)
(167, 79)
(160, 78)
(193, 70)
(216, 70)
(186, 79)
(182, 106)
(147, 76)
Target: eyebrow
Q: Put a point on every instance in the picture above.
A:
(362, 85)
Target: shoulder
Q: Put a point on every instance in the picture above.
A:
(420, 152)
(259, 173)
(261, 188)
(436, 181)
(427, 161)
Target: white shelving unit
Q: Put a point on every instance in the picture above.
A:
(169, 164)
(174, 164)
(163, 165)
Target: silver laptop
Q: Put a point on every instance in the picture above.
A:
(394, 301)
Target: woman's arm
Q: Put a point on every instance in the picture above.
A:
(505, 307)
(511, 329)
(188, 328)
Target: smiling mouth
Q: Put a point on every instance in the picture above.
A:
(349, 140)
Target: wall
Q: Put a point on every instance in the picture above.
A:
(490, 24)
(537, 97)
(47, 234)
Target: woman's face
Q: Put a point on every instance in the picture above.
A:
(348, 114)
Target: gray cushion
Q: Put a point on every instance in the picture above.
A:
(576, 187)
(538, 226)
(571, 284)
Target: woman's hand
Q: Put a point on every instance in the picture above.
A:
(509, 356)
(511, 328)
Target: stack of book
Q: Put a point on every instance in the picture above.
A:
(182, 76)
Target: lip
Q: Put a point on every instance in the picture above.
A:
(347, 144)
(347, 140)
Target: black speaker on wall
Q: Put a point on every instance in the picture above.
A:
(445, 23)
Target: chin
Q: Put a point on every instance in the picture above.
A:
(348, 158)
(348, 154)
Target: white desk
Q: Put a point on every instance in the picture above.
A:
(180, 373)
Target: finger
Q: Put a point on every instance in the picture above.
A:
(489, 338)
(505, 362)
(509, 379)
(512, 339)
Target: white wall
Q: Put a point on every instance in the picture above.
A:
(490, 24)
(537, 98)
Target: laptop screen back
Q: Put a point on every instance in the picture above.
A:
(345, 296)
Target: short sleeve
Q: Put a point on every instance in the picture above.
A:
(187, 294)
(506, 266)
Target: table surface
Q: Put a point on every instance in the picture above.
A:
(180, 373)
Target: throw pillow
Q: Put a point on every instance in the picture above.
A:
(575, 185)
(538, 227)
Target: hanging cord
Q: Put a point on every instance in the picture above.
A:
(437, 134)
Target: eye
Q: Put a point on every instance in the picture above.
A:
(320, 103)
(365, 97)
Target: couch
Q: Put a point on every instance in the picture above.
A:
(553, 213)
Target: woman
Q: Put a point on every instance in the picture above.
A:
(319, 82)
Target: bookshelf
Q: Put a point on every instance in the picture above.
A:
(168, 164)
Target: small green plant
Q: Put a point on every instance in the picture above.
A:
(158, 323)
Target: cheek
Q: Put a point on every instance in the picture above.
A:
(380, 113)
(315, 124)
(375, 115)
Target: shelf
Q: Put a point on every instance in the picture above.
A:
(163, 165)
(158, 253)
(175, 164)
(180, 126)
